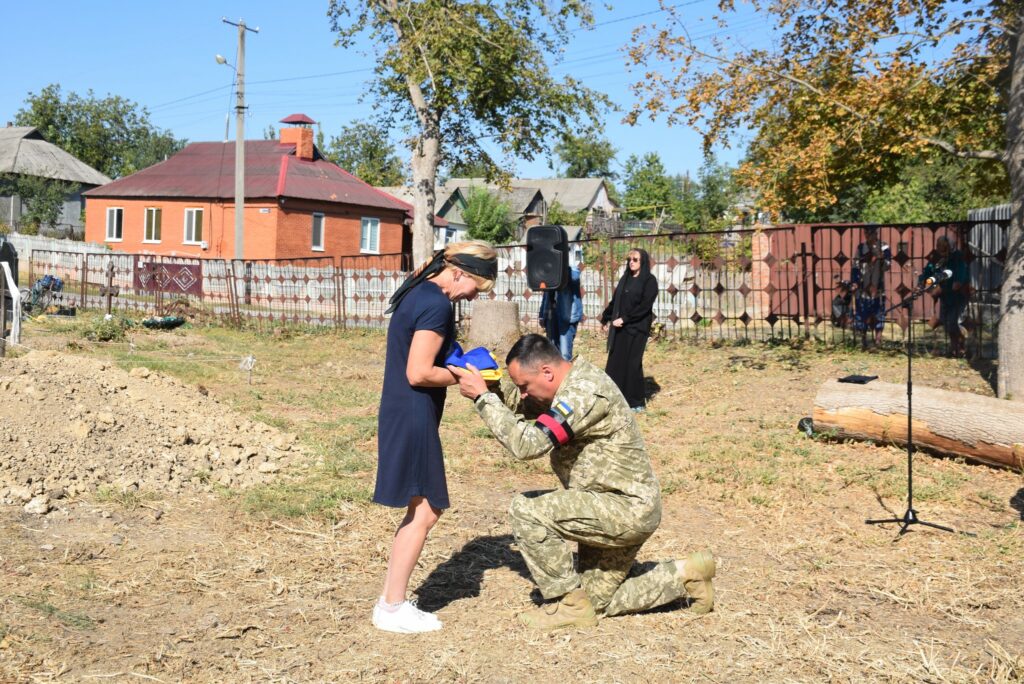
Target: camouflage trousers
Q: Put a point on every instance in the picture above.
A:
(606, 530)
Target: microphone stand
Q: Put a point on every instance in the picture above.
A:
(910, 516)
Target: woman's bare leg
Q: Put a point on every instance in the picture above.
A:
(407, 546)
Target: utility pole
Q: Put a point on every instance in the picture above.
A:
(240, 137)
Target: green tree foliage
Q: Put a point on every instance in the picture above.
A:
(472, 168)
(459, 73)
(559, 215)
(932, 188)
(717, 192)
(649, 191)
(488, 217)
(111, 134)
(42, 199)
(362, 148)
(848, 94)
(585, 157)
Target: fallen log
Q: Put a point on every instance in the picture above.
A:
(954, 423)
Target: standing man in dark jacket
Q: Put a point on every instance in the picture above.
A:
(561, 311)
(627, 319)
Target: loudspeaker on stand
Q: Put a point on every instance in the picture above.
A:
(547, 258)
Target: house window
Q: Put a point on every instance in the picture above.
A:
(115, 223)
(154, 218)
(369, 240)
(318, 232)
(193, 226)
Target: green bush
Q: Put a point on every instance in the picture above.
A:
(111, 329)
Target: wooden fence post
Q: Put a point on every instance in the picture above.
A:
(83, 272)
(233, 312)
(341, 289)
(3, 314)
(247, 269)
(804, 277)
(110, 285)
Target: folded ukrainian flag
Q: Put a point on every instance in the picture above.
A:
(481, 358)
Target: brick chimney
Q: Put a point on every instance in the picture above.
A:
(300, 134)
(302, 138)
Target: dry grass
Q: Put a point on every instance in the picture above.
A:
(276, 585)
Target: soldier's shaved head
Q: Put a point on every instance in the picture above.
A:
(532, 351)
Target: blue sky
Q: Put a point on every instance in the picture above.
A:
(161, 55)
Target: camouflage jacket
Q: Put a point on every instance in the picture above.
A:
(589, 431)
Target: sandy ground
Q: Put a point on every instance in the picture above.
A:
(206, 586)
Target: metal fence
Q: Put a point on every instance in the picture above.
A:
(774, 282)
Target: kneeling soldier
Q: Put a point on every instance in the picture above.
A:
(611, 501)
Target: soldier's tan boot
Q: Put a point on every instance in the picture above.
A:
(696, 573)
(574, 610)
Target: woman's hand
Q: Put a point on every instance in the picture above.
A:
(618, 322)
(604, 328)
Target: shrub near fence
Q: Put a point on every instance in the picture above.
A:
(775, 282)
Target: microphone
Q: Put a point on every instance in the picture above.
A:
(933, 280)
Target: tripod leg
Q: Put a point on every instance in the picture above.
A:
(938, 527)
(882, 521)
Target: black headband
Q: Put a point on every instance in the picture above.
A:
(485, 268)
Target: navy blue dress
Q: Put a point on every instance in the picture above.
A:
(409, 458)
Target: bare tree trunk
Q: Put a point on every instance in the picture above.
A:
(426, 148)
(954, 423)
(495, 325)
(425, 158)
(1011, 322)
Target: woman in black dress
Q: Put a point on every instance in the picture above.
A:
(627, 320)
(410, 464)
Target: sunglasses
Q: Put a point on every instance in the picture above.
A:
(635, 259)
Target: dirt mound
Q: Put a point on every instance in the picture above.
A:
(70, 424)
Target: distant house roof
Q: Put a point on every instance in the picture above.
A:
(24, 151)
(207, 170)
(402, 192)
(573, 194)
(519, 197)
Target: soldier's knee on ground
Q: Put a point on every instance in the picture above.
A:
(525, 526)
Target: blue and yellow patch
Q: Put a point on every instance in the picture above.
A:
(563, 408)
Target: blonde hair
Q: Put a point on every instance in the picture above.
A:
(477, 248)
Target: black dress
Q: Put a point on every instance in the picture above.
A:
(409, 458)
(633, 302)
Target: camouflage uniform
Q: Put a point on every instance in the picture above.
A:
(611, 501)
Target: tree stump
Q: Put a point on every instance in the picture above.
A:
(953, 423)
(494, 325)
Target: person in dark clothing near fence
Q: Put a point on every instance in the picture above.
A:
(952, 293)
(874, 258)
(560, 313)
(627, 320)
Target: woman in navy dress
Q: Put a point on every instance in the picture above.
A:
(410, 464)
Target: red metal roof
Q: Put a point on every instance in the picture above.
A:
(206, 170)
(297, 118)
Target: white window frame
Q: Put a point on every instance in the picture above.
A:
(191, 212)
(153, 211)
(323, 224)
(369, 235)
(119, 212)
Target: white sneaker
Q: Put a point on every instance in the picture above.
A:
(408, 619)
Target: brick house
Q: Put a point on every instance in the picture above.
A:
(297, 204)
